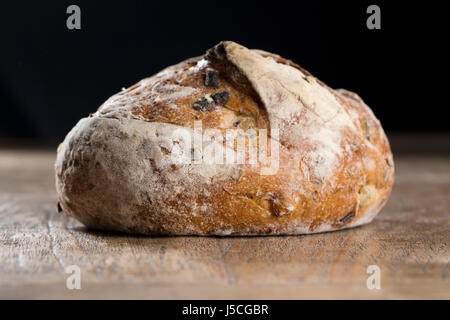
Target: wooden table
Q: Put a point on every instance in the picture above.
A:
(409, 241)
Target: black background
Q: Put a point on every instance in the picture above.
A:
(50, 76)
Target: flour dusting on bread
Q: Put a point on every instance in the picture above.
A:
(121, 169)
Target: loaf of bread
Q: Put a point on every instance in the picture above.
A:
(235, 142)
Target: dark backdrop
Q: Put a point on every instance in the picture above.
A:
(50, 76)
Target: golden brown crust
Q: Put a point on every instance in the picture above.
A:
(335, 168)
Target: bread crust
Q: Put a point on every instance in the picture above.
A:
(116, 169)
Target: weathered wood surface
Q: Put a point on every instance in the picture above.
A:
(409, 241)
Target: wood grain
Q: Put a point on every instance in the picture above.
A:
(409, 241)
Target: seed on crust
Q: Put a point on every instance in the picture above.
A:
(221, 97)
(212, 78)
(273, 204)
(347, 217)
(58, 207)
(206, 103)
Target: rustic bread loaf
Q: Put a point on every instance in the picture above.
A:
(158, 158)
